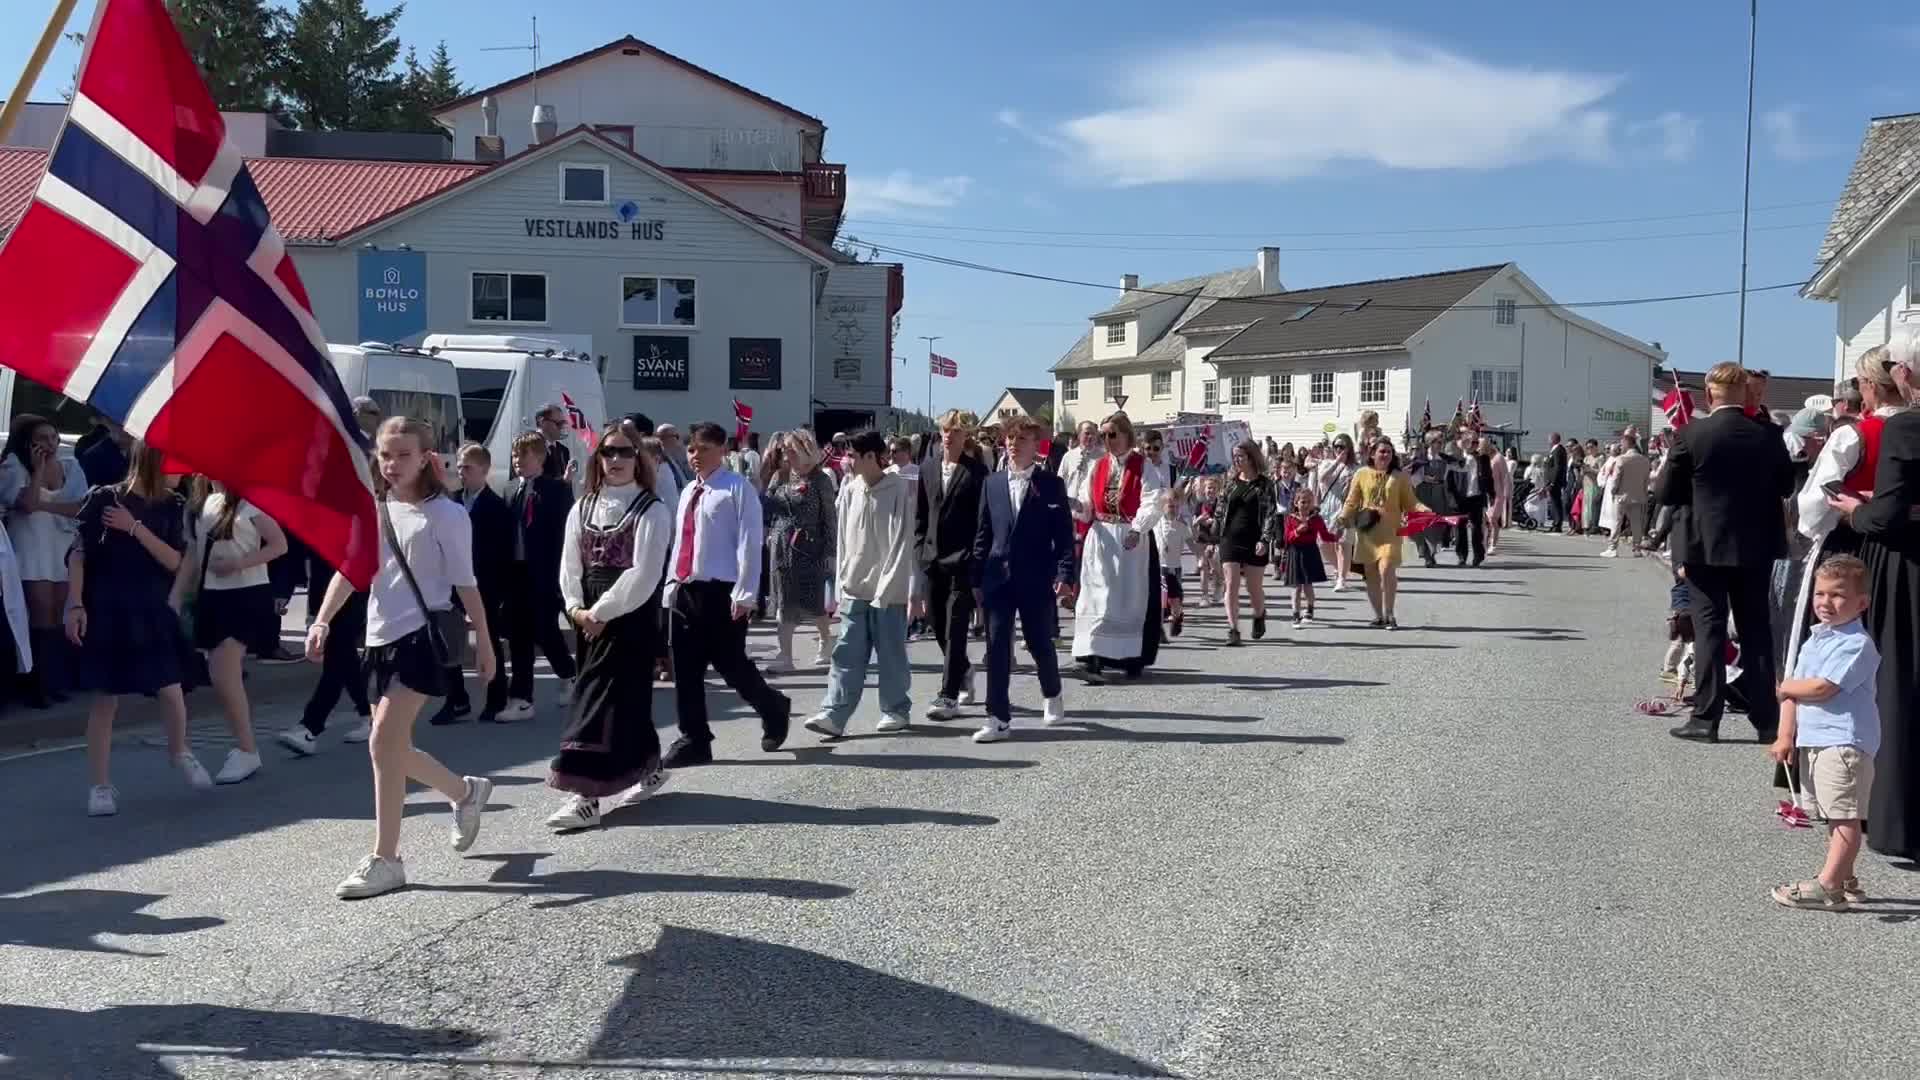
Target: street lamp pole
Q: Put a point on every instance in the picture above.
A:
(930, 341)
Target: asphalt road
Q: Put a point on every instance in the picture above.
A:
(1453, 851)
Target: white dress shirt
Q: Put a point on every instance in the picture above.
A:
(727, 533)
(652, 539)
(1837, 458)
(1019, 482)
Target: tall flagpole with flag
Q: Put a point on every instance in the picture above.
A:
(930, 340)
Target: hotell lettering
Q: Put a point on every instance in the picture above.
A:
(569, 229)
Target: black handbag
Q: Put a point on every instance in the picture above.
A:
(444, 626)
(1365, 518)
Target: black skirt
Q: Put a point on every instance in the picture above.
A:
(610, 743)
(410, 662)
(1301, 565)
(242, 615)
(132, 648)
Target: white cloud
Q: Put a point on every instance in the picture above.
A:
(900, 192)
(1674, 135)
(1011, 119)
(1295, 102)
(1785, 135)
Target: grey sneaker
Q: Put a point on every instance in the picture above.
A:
(372, 877)
(466, 812)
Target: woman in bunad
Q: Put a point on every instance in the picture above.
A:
(612, 567)
(1117, 617)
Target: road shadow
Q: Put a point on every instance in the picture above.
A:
(1074, 730)
(569, 888)
(669, 1007)
(132, 1040)
(1077, 715)
(827, 755)
(1504, 565)
(74, 919)
(1158, 677)
(1538, 631)
(703, 808)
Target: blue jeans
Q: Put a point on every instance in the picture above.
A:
(867, 632)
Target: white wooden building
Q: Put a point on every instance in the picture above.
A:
(1869, 263)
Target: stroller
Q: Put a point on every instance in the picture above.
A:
(1517, 505)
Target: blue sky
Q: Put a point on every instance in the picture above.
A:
(1088, 141)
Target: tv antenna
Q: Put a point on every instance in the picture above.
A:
(534, 48)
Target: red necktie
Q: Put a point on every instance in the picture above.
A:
(528, 503)
(683, 569)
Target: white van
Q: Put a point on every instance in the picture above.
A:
(404, 382)
(505, 379)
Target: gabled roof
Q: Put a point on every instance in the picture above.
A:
(1883, 181)
(1195, 295)
(312, 200)
(1029, 398)
(620, 45)
(1355, 317)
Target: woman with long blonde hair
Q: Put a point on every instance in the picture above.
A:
(801, 526)
(426, 559)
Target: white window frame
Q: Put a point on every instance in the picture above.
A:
(620, 300)
(1313, 402)
(1506, 310)
(1119, 338)
(1487, 392)
(1280, 390)
(546, 288)
(1913, 271)
(1159, 391)
(1240, 391)
(1367, 374)
(1210, 395)
(1112, 387)
(606, 184)
(1069, 389)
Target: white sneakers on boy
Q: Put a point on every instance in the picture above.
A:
(1055, 711)
(993, 731)
(299, 740)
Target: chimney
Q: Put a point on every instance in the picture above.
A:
(489, 116)
(1129, 282)
(546, 124)
(489, 148)
(1268, 260)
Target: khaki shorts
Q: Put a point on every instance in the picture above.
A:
(1837, 781)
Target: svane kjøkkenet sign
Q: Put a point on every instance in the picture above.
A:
(660, 362)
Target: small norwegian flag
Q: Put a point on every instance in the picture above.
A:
(742, 420)
(577, 422)
(1475, 420)
(941, 365)
(1197, 453)
(1426, 415)
(1678, 405)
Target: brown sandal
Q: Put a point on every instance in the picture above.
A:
(1809, 896)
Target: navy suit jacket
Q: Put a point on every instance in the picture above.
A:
(1031, 552)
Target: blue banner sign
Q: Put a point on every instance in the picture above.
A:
(393, 295)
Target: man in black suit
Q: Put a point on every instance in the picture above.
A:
(1732, 476)
(492, 526)
(1470, 483)
(538, 509)
(1556, 482)
(1022, 560)
(948, 515)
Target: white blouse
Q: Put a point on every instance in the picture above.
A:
(652, 538)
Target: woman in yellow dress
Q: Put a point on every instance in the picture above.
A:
(1378, 502)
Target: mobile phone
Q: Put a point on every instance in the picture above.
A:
(1833, 488)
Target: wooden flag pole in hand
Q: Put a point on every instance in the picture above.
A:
(16, 101)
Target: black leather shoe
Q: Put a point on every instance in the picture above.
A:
(686, 753)
(773, 733)
(1766, 735)
(450, 715)
(1696, 731)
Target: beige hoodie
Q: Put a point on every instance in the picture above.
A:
(876, 561)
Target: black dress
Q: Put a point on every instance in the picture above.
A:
(134, 643)
(1890, 546)
(610, 743)
(1245, 508)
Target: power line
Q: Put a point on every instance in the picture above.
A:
(1322, 235)
(1474, 245)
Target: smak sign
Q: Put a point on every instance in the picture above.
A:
(392, 295)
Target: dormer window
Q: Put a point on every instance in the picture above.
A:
(583, 185)
(1116, 333)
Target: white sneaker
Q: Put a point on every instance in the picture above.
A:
(823, 724)
(466, 812)
(1610, 553)
(892, 722)
(372, 877)
(100, 801)
(579, 813)
(1055, 711)
(359, 732)
(517, 709)
(779, 665)
(994, 731)
(239, 766)
(824, 658)
(191, 768)
(966, 692)
(299, 740)
(942, 709)
(653, 782)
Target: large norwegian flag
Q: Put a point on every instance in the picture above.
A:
(1678, 405)
(146, 280)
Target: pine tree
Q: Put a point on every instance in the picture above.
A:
(339, 73)
(426, 88)
(239, 46)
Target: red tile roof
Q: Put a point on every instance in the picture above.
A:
(311, 199)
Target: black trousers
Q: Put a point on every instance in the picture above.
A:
(1473, 530)
(1556, 506)
(341, 667)
(1036, 610)
(532, 618)
(705, 634)
(950, 610)
(1742, 590)
(497, 686)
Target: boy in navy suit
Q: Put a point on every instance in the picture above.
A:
(1022, 560)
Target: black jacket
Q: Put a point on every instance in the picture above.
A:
(1457, 477)
(1557, 466)
(943, 530)
(492, 540)
(1734, 476)
(543, 529)
(1030, 551)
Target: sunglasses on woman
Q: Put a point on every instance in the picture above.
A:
(1111, 434)
(608, 450)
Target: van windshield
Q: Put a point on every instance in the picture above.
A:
(481, 393)
(442, 411)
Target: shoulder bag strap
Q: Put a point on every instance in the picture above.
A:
(399, 556)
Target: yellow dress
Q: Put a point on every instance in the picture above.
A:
(1390, 494)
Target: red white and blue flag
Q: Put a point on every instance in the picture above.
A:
(742, 421)
(1426, 416)
(146, 280)
(1678, 405)
(1476, 421)
(941, 365)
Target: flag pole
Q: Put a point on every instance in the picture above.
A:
(1746, 196)
(930, 341)
(16, 101)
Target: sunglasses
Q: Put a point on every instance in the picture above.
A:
(622, 452)
(1111, 434)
